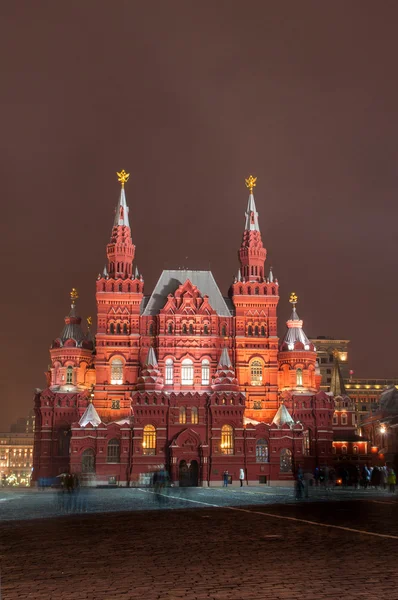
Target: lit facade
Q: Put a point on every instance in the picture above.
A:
(16, 458)
(184, 377)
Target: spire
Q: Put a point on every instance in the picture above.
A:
(91, 416)
(239, 276)
(136, 273)
(252, 253)
(151, 360)
(72, 329)
(337, 386)
(270, 275)
(105, 272)
(295, 338)
(282, 417)
(224, 379)
(151, 376)
(121, 250)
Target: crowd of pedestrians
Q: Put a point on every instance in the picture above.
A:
(71, 495)
(358, 478)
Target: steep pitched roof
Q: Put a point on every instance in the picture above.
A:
(90, 415)
(170, 281)
(282, 417)
(122, 211)
(251, 223)
(337, 386)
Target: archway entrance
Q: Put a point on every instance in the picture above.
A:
(188, 473)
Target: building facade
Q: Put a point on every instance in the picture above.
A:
(328, 350)
(16, 458)
(184, 377)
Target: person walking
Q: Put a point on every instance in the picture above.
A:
(391, 480)
(225, 479)
(241, 476)
(383, 477)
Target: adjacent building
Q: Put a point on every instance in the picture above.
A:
(16, 458)
(328, 350)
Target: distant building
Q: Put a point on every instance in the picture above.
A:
(367, 394)
(326, 348)
(382, 428)
(24, 424)
(16, 458)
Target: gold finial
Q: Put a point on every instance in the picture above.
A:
(293, 298)
(251, 183)
(74, 296)
(89, 321)
(123, 177)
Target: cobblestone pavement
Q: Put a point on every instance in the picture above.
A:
(254, 548)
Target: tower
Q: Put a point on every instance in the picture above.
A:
(119, 296)
(255, 299)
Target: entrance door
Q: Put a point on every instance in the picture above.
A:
(194, 473)
(183, 474)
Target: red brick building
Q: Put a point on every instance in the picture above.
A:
(184, 377)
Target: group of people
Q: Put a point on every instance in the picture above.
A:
(71, 495)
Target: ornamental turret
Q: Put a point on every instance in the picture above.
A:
(121, 250)
(151, 376)
(225, 379)
(252, 253)
(297, 357)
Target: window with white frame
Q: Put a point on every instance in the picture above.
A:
(227, 439)
(256, 372)
(205, 372)
(187, 372)
(169, 371)
(344, 418)
(69, 375)
(117, 371)
(299, 377)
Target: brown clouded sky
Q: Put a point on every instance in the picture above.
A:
(191, 97)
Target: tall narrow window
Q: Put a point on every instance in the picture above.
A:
(190, 329)
(113, 451)
(125, 328)
(306, 443)
(184, 329)
(344, 418)
(262, 330)
(118, 330)
(117, 371)
(261, 451)
(285, 461)
(223, 331)
(256, 372)
(194, 415)
(205, 329)
(88, 461)
(187, 372)
(182, 415)
(169, 371)
(170, 328)
(250, 330)
(227, 439)
(120, 287)
(149, 440)
(256, 330)
(112, 328)
(299, 377)
(205, 372)
(69, 374)
(151, 329)
(257, 291)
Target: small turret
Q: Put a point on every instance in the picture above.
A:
(224, 379)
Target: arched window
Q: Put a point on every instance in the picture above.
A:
(118, 330)
(256, 330)
(88, 461)
(306, 443)
(257, 291)
(120, 287)
(256, 372)
(125, 328)
(190, 329)
(355, 449)
(223, 331)
(187, 372)
(149, 440)
(69, 374)
(299, 377)
(194, 415)
(113, 452)
(170, 328)
(112, 328)
(182, 419)
(169, 371)
(344, 449)
(205, 372)
(261, 451)
(128, 287)
(64, 436)
(344, 418)
(151, 329)
(206, 329)
(286, 461)
(250, 330)
(227, 439)
(262, 330)
(249, 290)
(184, 329)
(117, 371)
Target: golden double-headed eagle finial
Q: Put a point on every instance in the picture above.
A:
(251, 183)
(74, 295)
(89, 321)
(293, 298)
(122, 177)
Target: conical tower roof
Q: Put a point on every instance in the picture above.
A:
(282, 417)
(90, 415)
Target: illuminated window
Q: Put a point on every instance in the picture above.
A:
(194, 415)
(169, 371)
(115, 404)
(306, 443)
(256, 372)
(149, 440)
(187, 372)
(69, 375)
(227, 439)
(116, 371)
(299, 377)
(182, 416)
(113, 452)
(355, 449)
(344, 449)
(261, 451)
(205, 372)
(285, 461)
(344, 419)
(88, 461)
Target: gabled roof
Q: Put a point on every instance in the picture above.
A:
(170, 281)
(90, 415)
(282, 417)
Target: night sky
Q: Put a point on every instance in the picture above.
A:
(190, 98)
